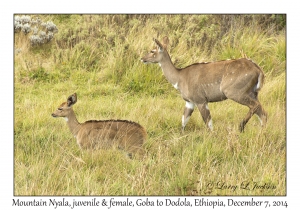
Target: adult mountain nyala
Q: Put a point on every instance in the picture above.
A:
(201, 83)
(102, 134)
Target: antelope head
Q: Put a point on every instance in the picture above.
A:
(65, 108)
(158, 53)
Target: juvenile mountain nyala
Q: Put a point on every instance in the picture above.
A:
(102, 134)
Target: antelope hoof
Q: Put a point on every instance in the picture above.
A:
(182, 130)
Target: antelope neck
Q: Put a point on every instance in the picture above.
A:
(73, 123)
(170, 71)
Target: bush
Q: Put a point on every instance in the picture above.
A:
(41, 32)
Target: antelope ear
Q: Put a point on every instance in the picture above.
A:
(159, 45)
(72, 99)
(165, 42)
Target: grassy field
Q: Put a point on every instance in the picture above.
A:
(98, 57)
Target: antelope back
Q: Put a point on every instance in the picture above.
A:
(105, 134)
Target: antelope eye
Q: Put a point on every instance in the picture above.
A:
(60, 109)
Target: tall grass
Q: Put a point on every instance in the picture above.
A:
(98, 57)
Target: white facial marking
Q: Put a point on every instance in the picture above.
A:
(66, 119)
(210, 124)
(189, 105)
(159, 64)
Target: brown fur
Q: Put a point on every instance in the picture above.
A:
(202, 83)
(103, 134)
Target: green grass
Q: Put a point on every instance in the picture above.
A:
(98, 57)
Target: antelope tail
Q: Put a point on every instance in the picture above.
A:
(260, 82)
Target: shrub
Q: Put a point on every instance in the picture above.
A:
(41, 32)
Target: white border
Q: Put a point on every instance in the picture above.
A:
(8, 8)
